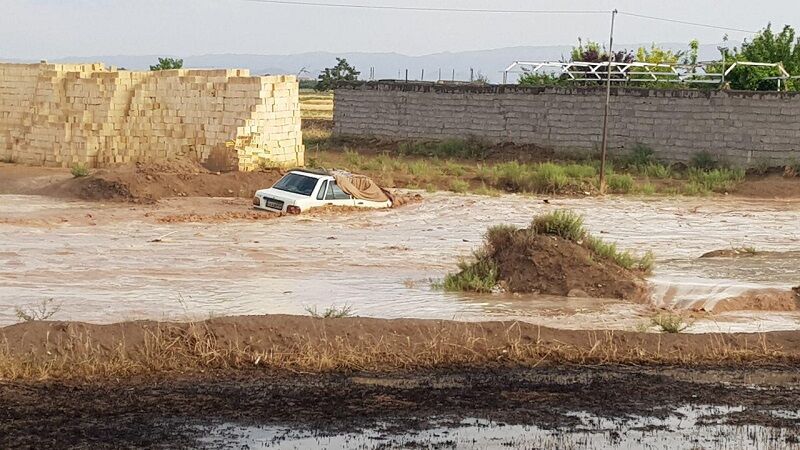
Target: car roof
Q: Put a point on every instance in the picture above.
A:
(311, 174)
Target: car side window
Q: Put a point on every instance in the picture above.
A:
(322, 189)
(338, 193)
(329, 194)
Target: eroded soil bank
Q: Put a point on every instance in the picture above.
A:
(758, 406)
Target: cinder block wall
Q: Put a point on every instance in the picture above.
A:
(742, 128)
(60, 115)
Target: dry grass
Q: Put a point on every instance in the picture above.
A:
(194, 347)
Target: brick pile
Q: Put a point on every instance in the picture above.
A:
(61, 115)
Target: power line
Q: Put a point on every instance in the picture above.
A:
(684, 22)
(428, 9)
(492, 11)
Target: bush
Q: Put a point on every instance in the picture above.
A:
(647, 189)
(459, 186)
(610, 252)
(563, 223)
(352, 158)
(79, 170)
(655, 170)
(580, 171)
(331, 313)
(481, 275)
(515, 177)
(703, 160)
(717, 180)
(641, 155)
(670, 323)
(550, 177)
(620, 184)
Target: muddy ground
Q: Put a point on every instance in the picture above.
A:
(178, 412)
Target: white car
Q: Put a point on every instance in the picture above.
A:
(300, 190)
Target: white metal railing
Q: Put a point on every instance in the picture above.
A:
(639, 72)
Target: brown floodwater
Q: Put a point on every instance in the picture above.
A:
(382, 263)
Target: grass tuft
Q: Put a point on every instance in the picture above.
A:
(480, 275)
(459, 186)
(563, 223)
(333, 312)
(670, 323)
(79, 170)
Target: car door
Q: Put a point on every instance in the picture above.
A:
(336, 196)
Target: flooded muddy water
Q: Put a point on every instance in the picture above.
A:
(107, 268)
(701, 426)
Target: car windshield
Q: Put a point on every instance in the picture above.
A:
(296, 184)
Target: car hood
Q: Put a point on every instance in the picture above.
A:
(278, 194)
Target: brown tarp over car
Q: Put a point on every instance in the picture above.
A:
(361, 187)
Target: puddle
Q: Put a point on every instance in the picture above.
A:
(381, 262)
(687, 427)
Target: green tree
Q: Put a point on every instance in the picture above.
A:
(332, 76)
(767, 47)
(167, 64)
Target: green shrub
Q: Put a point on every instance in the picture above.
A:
(459, 186)
(79, 170)
(703, 160)
(454, 169)
(694, 188)
(352, 158)
(620, 183)
(421, 170)
(485, 190)
(549, 177)
(486, 174)
(655, 170)
(580, 171)
(515, 177)
(480, 275)
(647, 189)
(640, 155)
(609, 251)
(717, 180)
(563, 223)
(670, 323)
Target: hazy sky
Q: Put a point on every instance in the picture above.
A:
(39, 29)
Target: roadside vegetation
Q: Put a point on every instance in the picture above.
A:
(472, 166)
(333, 312)
(482, 273)
(670, 323)
(79, 170)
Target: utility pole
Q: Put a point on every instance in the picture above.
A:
(604, 144)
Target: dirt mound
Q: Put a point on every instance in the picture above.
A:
(556, 266)
(761, 300)
(149, 182)
(729, 253)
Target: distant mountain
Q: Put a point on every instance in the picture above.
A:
(489, 63)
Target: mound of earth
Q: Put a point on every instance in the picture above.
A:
(149, 182)
(761, 300)
(729, 253)
(553, 265)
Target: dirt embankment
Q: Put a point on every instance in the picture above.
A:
(140, 182)
(69, 349)
(556, 266)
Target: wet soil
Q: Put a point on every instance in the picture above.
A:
(140, 182)
(179, 411)
(552, 265)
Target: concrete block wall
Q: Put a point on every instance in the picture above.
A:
(742, 128)
(60, 115)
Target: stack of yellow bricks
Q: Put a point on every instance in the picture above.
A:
(62, 115)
